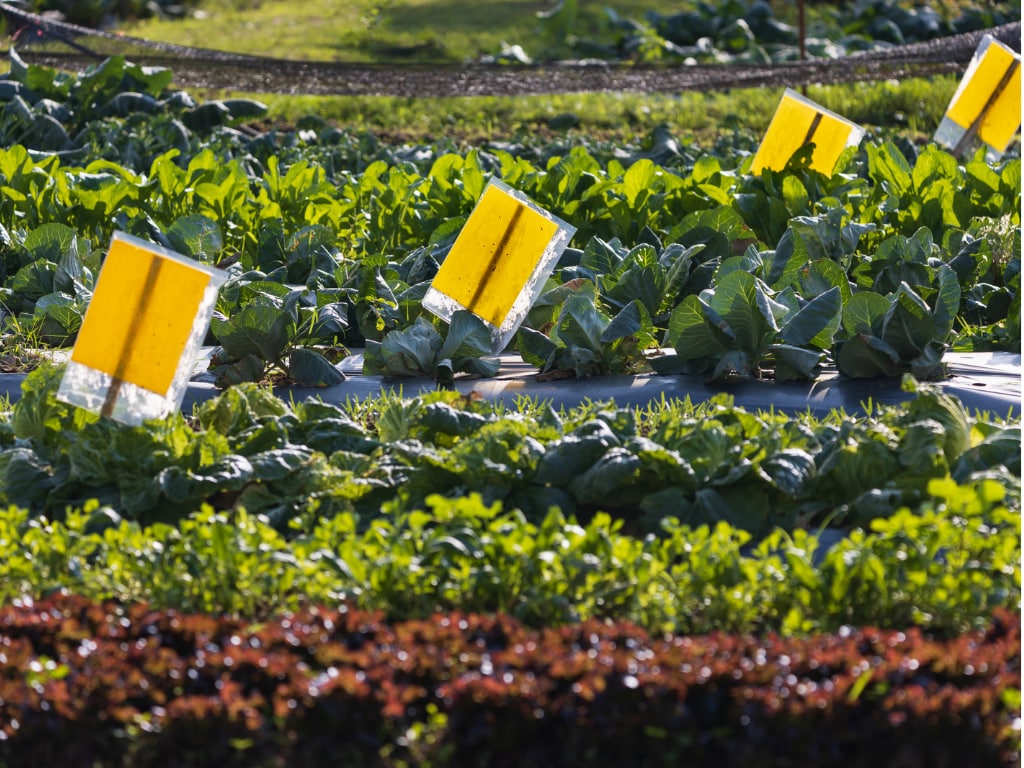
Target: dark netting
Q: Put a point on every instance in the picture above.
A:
(41, 40)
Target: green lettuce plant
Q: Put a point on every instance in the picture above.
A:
(421, 350)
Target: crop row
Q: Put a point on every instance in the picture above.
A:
(701, 464)
(879, 267)
(945, 566)
(137, 687)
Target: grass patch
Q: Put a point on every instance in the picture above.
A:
(912, 106)
(377, 30)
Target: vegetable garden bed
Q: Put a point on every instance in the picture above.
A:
(584, 551)
(877, 270)
(347, 687)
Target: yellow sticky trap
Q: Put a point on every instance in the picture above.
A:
(798, 121)
(986, 105)
(499, 262)
(147, 318)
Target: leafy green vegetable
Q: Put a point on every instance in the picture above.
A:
(944, 567)
(422, 351)
(891, 336)
(265, 335)
(742, 324)
(583, 341)
(701, 464)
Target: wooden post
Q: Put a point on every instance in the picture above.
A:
(802, 24)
